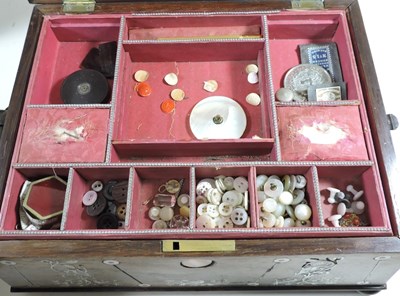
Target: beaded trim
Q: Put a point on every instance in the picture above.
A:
(206, 13)
(70, 106)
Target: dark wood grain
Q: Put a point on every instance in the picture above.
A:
(11, 124)
(383, 144)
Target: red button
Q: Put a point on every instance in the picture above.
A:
(143, 89)
(168, 106)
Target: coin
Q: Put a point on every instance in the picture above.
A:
(301, 77)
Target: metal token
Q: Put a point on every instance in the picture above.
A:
(301, 77)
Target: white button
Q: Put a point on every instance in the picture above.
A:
(240, 184)
(177, 94)
(183, 200)
(280, 221)
(225, 209)
(154, 213)
(261, 196)
(302, 212)
(171, 79)
(286, 198)
(166, 213)
(260, 181)
(301, 181)
(280, 210)
(141, 75)
(202, 209)
(290, 212)
(224, 222)
(89, 198)
(212, 211)
(273, 188)
(219, 183)
(268, 220)
(250, 68)
(228, 182)
(210, 85)
(97, 186)
(284, 95)
(253, 99)
(298, 196)
(252, 78)
(205, 221)
(204, 185)
(214, 196)
(289, 222)
(232, 197)
(245, 202)
(269, 205)
(159, 224)
(239, 216)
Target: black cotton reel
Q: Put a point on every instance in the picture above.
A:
(85, 87)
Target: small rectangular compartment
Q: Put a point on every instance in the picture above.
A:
(171, 182)
(40, 213)
(286, 175)
(63, 44)
(224, 199)
(365, 178)
(68, 135)
(288, 30)
(79, 217)
(143, 129)
(209, 27)
(321, 133)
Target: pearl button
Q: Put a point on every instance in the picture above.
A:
(239, 216)
(159, 224)
(154, 213)
(205, 221)
(253, 99)
(171, 79)
(261, 196)
(298, 196)
(166, 213)
(302, 212)
(141, 75)
(289, 222)
(225, 209)
(240, 184)
(228, 182)
(280, 222)
(273, 188)
(232, 197)
(252, 78)
(212, 211)
(202, 209)
(301, 181)
(183, 200)
(224, 222)
(269, 205)
(89, 198)
(286, 198)
(284, 95)
(97, 186)
(268, 220)
(251, 68)
(260, 181)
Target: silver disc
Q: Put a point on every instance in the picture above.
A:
(301, 77)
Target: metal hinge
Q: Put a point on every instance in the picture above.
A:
(308, 4)
(79, 6)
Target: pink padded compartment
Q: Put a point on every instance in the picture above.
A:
(64, 135)
(16, 178)
(321, 133)
(143, 129)
(63, 44)
(362, 178)
(153, 28)
(288, 30)
(146, 182)
(77, 218)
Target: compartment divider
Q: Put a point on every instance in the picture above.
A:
(192, 193)
(115, 91)
(252, 192)
(67, 200)
(129, 200)
(270, 84)
(317, 196)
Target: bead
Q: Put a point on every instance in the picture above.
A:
(300, 223)
(184, 211)
(168, 106)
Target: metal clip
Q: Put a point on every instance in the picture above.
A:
(79, 6)
(308, 4)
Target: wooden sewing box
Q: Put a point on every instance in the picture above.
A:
(129, 137)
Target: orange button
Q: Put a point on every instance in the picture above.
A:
(143, 89)
(168, 106)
